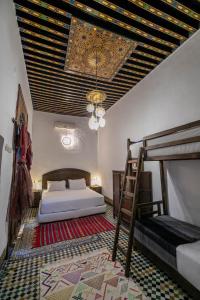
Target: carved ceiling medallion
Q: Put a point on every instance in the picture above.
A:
(87, 42)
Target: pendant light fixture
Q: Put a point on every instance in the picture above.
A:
(96, 98)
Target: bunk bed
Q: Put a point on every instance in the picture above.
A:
(172, 244)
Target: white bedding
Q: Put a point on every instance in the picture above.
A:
(188, 262)
(69, 200)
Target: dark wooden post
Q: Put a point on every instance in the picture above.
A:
(128, 144)
(163, 188)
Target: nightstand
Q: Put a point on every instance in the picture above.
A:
(96, 188)
(37, 194)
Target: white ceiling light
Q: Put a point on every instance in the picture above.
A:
(96, 97)
(100, 111)
(102, 122)
(90, 107)
(93, 123)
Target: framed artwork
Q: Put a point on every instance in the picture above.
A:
(21, 109)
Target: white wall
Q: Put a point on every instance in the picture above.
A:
(48, 152)
(12, 73)
(169, 96)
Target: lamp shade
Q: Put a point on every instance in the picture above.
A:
(90, 107)
(102, 122)
(100, 111)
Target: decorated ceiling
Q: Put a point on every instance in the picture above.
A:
(56, 35)
(94, 51)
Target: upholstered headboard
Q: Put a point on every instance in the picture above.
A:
(65, 174)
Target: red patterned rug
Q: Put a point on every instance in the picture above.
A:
(50, 233)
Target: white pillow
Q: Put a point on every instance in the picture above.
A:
(56, 185)
(77, 184)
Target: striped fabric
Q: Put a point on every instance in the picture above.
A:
(50, 233)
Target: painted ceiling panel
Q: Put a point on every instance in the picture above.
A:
(157, 28)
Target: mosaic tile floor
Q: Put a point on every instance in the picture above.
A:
(20, 275)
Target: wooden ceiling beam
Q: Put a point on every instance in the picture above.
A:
(47, 93)
(38, 14)
(63, 108)
(83, 77)
(66, 78)
(86, 12)
(70, 92)
(38, 102)
(43, 45)
(142, 61)
(53, 90)
(130, 16)
(186, 10)
(66, 88)
(67, 100)
(137, 67)
(40, 36)
(61, 112)
(34, 50)
(160, 14)
(139, 34)
(132, 82)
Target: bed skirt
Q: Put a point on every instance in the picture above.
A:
(65, 215)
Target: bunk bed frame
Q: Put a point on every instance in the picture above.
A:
(148, 146)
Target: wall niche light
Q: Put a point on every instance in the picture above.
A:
(69, 135)
(68, 140)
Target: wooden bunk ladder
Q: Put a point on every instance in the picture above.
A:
(132, 175)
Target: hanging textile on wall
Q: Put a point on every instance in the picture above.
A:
(22, 196)
(21, 188)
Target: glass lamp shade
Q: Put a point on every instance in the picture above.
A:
(90, 107)
(96, 124)
(91, 122)
(100, 111)
(102, 122)
(96, 96)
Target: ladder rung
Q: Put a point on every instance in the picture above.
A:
(121, 249)
(126, 212)
(128, 194)
(124, 229)
(132, 161)
(131, 177)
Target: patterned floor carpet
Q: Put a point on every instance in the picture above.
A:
(19, 278)
(88, 277)
(55, 232)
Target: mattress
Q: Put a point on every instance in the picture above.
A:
(66, 215)
(163, 234)
(69, 200)
(188, 262)
(179, 149)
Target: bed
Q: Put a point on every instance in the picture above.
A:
(172, 244)
(68, 203)
(164, 234)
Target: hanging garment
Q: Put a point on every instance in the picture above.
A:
(22, 196)
(29, 153)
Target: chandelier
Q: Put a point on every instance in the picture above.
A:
(96, 98)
